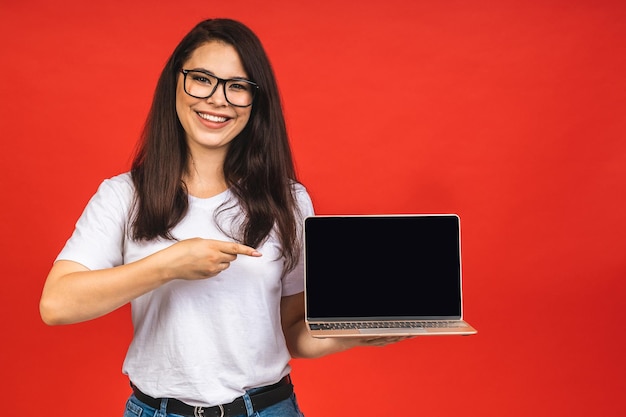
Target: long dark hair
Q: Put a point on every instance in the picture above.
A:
(258, 167)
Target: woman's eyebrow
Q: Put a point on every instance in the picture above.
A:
(206, 71)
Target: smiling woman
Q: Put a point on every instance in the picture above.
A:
(207, 225)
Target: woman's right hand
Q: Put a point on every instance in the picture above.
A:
(201, 258)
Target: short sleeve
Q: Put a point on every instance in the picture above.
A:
(293, 282)
(98, 238)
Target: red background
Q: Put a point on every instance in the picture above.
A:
(509, 113)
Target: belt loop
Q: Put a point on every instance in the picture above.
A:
(163, 410)
(248, 403)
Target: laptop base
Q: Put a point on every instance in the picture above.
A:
(432, 328)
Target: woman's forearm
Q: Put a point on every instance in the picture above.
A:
(73, 293)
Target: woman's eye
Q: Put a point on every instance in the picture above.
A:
(201, 79)
(239, 86)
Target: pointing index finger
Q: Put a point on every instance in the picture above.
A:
(239, 249)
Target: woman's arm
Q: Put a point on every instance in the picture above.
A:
(72, 293)
(302, 345)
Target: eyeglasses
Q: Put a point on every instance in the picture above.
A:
(202, 84)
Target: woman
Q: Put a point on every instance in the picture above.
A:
(203, 238)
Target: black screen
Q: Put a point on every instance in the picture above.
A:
(383, 266)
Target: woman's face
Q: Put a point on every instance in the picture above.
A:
(211, 123)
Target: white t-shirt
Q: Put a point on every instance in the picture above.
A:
(203, 342)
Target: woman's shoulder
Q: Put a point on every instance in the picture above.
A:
(299, 190)
(120, 186)
(298, 187)
(121, 181)
(302, 197)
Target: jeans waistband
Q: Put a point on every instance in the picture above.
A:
(261, 399)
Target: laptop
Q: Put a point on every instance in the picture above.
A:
(383, 275)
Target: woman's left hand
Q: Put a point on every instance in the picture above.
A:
(381, 340)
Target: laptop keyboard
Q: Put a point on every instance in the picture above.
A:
(389, 325)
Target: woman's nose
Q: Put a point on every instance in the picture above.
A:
(219, 95)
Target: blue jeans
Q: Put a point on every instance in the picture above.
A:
(285, 408)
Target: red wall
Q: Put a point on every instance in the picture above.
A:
(509, 113)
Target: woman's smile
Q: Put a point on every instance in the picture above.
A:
(212, 118)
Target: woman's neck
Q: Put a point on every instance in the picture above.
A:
(205, 176)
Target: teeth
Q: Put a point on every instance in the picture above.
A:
(212, 118)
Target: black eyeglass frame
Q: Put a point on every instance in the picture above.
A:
(219, 81)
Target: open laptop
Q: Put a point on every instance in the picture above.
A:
(383, 275)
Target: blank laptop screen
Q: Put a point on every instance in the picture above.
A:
(392, 267)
